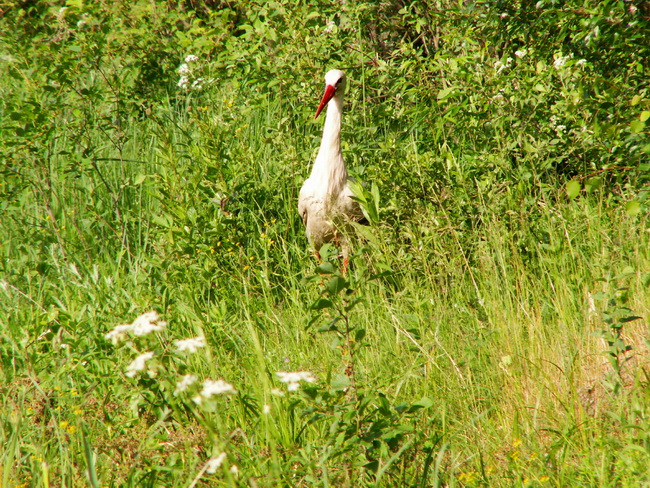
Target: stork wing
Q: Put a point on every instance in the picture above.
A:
(303, 202)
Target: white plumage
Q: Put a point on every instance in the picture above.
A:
(325, 201)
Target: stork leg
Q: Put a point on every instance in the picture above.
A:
(339, 241)
(346, 261)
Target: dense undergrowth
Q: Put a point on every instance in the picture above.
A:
(492, 330)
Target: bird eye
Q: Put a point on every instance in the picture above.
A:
(339, 81)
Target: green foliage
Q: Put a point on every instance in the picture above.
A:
(151, 155)
(615, 316)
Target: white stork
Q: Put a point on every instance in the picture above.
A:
(325, 202)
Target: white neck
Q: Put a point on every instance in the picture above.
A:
(329, 167)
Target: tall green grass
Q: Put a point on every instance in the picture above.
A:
(491, 330)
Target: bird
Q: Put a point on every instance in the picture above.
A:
(325, 203)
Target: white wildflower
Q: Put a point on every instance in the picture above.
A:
(138, 364)
(560, 61)
(503, 15)
(210, 387)
(499, 66)
(277, 392)
(118, 333)
(293, 379)
(184, 69)
(581, 62)
(146, 323)
(185, 382)
(183, 82)
(266, 409)
(520, 53)
(234, 470)
(214, 463)
(190, 345)
(330, 26)
(198, 84)
(143, 325)
(191, 58)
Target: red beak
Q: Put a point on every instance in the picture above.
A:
(327, 96)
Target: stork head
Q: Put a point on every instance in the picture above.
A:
(334, 83)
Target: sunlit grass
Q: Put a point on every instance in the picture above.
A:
(476, 354)
(499, 336)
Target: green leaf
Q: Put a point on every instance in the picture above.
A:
(637, 126)
(445, 93)
(633, 207)
(636, 99)
(423, 402)
(330, 326)
(631, 318)
(326, 268)
(336, 284)
(164, 220)
(592, 184)
(90, 461)
(645, 115)
(340, 382)
(322, 303)
(359, 335)
(573, 189)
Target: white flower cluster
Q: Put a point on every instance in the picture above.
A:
(190, 345)
(186, 71)
(293, 379)
(560, 61)
(185, 382)
(559, 128)
(214, 463)
(499, 66)
(138, 364)
(143, 325)
(211, 387)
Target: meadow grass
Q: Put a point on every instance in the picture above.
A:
(496, 331)
(490, 332)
